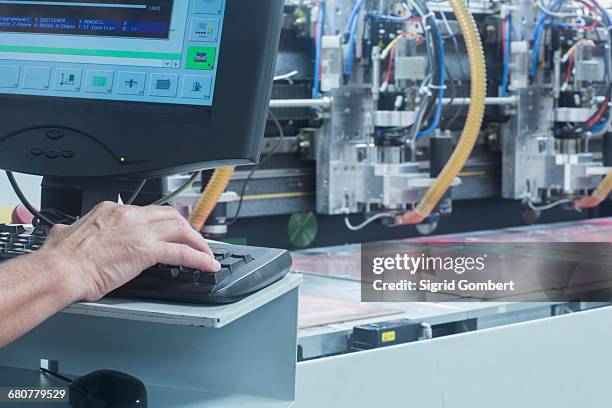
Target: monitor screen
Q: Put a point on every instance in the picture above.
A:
(151, 51)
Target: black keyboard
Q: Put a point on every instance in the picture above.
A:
(244, 271)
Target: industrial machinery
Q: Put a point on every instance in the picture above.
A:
(384, 113)
(372, 97)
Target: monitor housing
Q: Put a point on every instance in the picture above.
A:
(108, 89)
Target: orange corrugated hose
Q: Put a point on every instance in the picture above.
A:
(207, 203)
(598, 196)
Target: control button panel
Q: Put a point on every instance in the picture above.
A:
(9, 76)
(202, 58)
(204, 29)
(52, 154)
(36, 77)
(99, 81)
(74, 145)
(196, 87)
(164, 85)
(121, 83)
(68, 79)
(131, 83)
(208, 6)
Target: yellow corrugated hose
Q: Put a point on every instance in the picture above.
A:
(207, 203)
(474, 120)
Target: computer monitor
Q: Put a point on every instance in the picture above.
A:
(134, 88)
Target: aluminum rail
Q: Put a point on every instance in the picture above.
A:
(327, 102)
(489, 101)
(301, 103)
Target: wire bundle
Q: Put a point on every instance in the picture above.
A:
(436, 59)
(587, 11)
(433, 87)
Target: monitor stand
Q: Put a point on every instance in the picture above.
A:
(76, 196)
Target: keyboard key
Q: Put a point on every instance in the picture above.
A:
(243, 255)
(221, 255)
(232, 263)
(189, 275)
(40, 232)
(12, 229)
(11, 254)
(167, 274)
(214, 278)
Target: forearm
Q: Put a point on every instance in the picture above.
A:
(100, 252)
(32, 289)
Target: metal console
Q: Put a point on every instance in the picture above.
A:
(239, 355)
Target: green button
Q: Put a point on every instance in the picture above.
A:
(202, 58)
(99, 81)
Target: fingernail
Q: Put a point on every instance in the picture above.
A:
(217, 265)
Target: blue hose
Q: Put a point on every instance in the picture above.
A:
(352, 32)
(599, 127)
(320, 27)
(536, 50)
(504, 85)
(354, 14)
(568, 25)
(394, 19)
(536, 36)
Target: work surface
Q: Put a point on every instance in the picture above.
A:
(329, 309)
(330, 295)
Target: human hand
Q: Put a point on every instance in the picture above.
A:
(114, 243)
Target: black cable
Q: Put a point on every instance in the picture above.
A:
(56, 375)
(24, 200)
(433, 51)
(187, 185)
(394, 133)
(136, 192)
(452, 86)
(57, 216)
(281, 133)
(459, 111)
